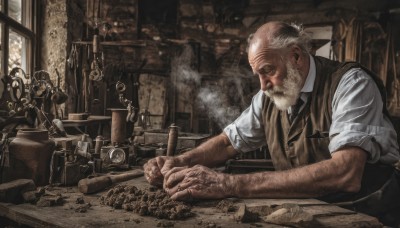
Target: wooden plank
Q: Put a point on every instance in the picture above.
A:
(206, 213)
(326, 214)
(19, 214)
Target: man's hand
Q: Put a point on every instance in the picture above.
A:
(155, 168)
(197, 182)
(215, 151)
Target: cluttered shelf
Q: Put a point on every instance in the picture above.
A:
(89, 120)
(99, 121)
(68, 207)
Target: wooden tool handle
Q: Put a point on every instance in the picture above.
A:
(91, 185)
(126, 176)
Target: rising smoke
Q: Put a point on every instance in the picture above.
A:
(214, 101)
(223, 102)
(181, 70)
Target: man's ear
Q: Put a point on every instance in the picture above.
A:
(297, 53)
(296, 56)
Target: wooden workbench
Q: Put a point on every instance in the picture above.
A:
(206, 214)
(92, 120)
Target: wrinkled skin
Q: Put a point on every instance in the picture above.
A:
(183, 183)
(197, 182)
(156, 167)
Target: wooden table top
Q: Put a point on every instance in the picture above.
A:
(206, 214)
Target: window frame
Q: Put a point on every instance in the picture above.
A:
(8, 23)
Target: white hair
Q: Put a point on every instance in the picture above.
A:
(290, 34)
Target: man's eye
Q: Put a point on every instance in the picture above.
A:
(267, 71)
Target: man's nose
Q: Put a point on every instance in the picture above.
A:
(265, 83)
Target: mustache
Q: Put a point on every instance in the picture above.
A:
(276, 91)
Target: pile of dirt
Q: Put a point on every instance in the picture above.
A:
(226, 206)
(149, 202)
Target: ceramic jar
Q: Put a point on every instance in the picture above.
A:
(30, 154)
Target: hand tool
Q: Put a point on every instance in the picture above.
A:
(91, 185)
(172, 140)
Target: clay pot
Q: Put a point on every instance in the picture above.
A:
(30, 153)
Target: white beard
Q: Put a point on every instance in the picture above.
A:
(286, 95)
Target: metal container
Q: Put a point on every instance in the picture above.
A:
(118, 126)
(99, 143)
(29, 156)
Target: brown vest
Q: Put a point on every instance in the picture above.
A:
(306, 139)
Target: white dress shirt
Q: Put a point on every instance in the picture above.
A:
(357, 119)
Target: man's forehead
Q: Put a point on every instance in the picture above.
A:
(262, 60)
(261, 46)
(254, 46)
(257, 43)
(263, 53)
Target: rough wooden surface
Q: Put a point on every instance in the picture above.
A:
(12, 191)
(206, 213)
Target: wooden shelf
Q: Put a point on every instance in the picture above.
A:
(133, 43)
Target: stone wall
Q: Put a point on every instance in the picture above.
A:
(54, 38)
(62, 23)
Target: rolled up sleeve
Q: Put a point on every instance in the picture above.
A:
(246, 133)
(357, 119)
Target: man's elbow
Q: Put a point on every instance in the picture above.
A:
(350, 173)
(349, 180)
(344, 183)
(351, 185)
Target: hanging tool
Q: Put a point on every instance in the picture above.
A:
(120, 88)
(72, 60)
(73, 65)
(86, 81)
(96, 73)
(135, 89)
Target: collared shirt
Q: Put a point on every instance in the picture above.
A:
(308, 85)
(357, 119)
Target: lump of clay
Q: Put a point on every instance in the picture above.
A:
(146, 202)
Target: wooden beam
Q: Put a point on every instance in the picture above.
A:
(275, 7)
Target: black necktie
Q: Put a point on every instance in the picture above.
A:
(296, 109)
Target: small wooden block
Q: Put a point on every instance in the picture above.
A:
(12, 191)
(77, 116)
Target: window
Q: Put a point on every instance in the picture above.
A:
(17, 34)
(321, 40)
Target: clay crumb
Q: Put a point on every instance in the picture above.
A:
(226, 206)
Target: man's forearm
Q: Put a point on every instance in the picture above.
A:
(341, 173)
(213, 152)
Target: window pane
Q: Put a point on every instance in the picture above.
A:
(21, 11)
(14, 10)
(19, 50)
